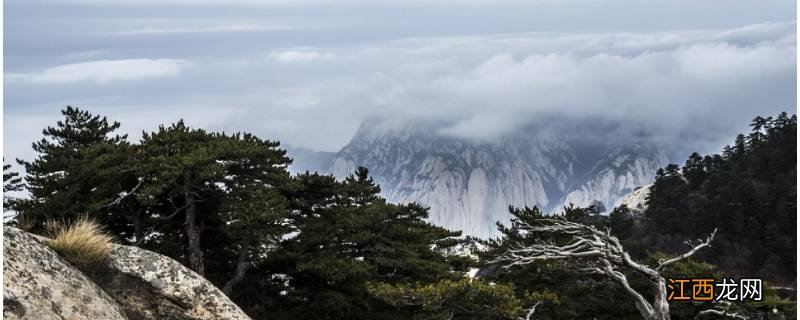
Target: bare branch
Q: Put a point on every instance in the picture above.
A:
(588, 243)
(598, 252)
(721, 310)
(531, 311)
(642, 305)
(688, 254)
(720, 313)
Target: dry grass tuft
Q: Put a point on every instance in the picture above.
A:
(83, 243)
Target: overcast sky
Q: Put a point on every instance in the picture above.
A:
(307, 72)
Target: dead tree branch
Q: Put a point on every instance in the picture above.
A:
(531, 311)
(721, 310)
(601, 253)
(702, 244)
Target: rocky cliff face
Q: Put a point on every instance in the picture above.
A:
(637, 200)
(131, 284)
(622, 169)
(469, 184)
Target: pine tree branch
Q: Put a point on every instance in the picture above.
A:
(126, 195)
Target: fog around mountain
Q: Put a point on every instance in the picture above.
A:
(469, 183)
(693, 85)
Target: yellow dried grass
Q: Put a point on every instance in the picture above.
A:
(83, 243)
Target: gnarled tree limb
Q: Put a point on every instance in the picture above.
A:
(601, 253)
(701, 245)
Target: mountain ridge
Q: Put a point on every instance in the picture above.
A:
(469, 184)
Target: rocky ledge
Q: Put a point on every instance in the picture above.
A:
(132, 283)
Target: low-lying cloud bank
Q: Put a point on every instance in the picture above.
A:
(694, 88)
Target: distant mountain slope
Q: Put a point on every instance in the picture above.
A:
(624, 168)
(470, 184)
(309, 160)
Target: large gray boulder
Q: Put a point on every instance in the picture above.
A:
(39, 284)
(150, 286)
(132, 283)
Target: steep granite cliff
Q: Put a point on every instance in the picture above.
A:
(469, 184)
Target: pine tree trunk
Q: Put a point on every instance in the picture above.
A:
(192, 229)
(138, 227)
(242, 265)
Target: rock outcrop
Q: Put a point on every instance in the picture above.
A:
(132, 283)
(39, 284)
(637, 200)
(148, 285)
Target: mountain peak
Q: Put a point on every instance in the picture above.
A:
(469, 184)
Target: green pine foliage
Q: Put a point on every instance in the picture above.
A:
(344, 237)
(450, 299)
(748, 192)
(12, 182)
(57, 179)
(198, 181)
(11, 179)
(309, 246)
(281, 246)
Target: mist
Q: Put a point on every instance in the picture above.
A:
(309, 80)
(693, 91)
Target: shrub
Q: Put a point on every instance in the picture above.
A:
(83, 243)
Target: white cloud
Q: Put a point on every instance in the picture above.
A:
(102, 71)
(212, 29)
(292, 56)
(689, 86)
(697, 86)
(691, 83)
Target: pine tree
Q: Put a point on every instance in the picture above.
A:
(114, 170)
(181, 166)
(60, 179)
(12, 182)
(748, 191)
(360, 188)
(346, 236)
(740, 146)
(254, 208)
(759, 125)
(694, 170)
